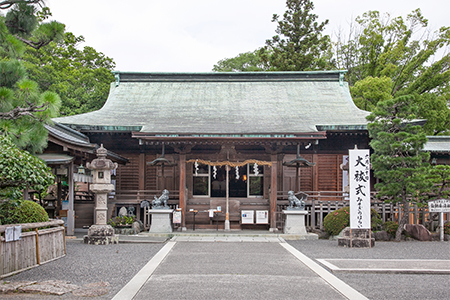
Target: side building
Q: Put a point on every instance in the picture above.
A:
(238, 141)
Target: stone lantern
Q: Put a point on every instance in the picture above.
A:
(100, 232)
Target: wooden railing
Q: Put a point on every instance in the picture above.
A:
(321, 203)
(318, 205)
(35, 247)
(133, 196)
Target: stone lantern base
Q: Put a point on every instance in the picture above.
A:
(101, 235)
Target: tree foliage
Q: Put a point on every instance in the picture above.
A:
(379, 47)
(244, 62)
(440, 176)
(19, 170)
(81, 77)
(398, 160)
(24, 108)
(299, 44)
(370, 90)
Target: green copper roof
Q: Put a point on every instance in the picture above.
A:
(437, 144)
(211, 104)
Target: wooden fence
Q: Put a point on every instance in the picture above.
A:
(319, 204)
(35, 247)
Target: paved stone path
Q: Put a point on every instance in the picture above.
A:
(240, 266)
(233, 268)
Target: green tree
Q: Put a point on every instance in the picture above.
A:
(397, 159)
(370, 90)
(299, 44)
(20, 170)
(405, 51)
(81, 77)
(244, 62)
(24, 108)
(440, 175)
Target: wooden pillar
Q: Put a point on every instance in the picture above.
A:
(273, 192)
(315, 172)
(142, 166)
(71, 212)
(182, 189)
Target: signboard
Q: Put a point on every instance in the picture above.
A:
(13, 233)
(441, 205)
(359, 182)
(177, 217)
(247, 216)
(262, 217)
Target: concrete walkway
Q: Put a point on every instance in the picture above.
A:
(233, 268)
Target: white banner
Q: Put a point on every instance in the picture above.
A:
(359, 181)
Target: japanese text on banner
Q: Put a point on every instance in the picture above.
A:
(359, 173)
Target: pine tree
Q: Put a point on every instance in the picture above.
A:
(24, 108)
(397, 159)
(299, 44)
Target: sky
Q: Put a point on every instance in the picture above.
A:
(193, 35)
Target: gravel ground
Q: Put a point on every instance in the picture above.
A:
(387, 286)
(85, 264)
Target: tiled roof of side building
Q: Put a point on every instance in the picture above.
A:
(437, 144)
(250, 103)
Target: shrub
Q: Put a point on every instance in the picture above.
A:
(390, 227)
(337, 220)
(22, 211)
(121, 221)
(447, 228)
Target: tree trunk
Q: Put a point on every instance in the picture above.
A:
(403, 221)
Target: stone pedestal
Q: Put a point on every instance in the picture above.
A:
(295, 222)
(356, 238)
(160, 220)
(101, 235)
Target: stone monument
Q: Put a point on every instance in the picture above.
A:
(160, 213)
(100, 233)
(295, 215)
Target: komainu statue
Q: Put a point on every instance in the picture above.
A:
(161, 202)
(295, 203)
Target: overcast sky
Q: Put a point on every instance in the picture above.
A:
(193, 35)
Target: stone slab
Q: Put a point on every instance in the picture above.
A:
(9, 287)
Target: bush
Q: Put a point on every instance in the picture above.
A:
(390, 227)
(447, 228)
(121, 221)
(337, 220)
(22, 211)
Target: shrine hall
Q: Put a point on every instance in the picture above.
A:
(227, 142)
